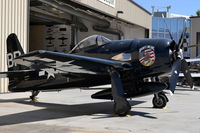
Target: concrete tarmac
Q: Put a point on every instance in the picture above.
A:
(73, 111)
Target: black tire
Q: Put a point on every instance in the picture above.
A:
(163, 94)
(165, 97)
(160, 102)
(121, 113)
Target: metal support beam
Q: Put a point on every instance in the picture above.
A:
(74, 30)
(77, 13)
(50, 18)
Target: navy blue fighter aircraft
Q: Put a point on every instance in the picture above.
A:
(95, 61)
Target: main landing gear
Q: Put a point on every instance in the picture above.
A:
(160, 100)
(121, 105)
(33, 96)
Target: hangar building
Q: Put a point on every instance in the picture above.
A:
(195, 35)
(58, 25)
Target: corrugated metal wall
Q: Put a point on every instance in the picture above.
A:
(13, 19)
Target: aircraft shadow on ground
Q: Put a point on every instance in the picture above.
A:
(52, 111)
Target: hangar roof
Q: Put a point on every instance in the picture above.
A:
(195, 17)
(132, 12)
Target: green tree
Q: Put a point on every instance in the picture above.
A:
(198, 13)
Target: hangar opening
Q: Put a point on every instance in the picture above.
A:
(58, 25)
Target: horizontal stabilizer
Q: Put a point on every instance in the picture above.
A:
(13, 73)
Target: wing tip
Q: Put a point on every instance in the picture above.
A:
(41, 51)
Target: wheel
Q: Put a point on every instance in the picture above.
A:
(33, 96)
(162, 93)
(159, 102)
(121, 111)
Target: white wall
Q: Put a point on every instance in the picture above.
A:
(14, 19)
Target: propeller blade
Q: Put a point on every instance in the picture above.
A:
(174, 75)
(186, 72)
(170, 34)
(180, 42)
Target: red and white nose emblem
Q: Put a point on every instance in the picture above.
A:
(147, 56)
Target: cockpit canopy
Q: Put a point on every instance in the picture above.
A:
(91, 41)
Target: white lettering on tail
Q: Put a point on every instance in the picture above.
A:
(11, 56)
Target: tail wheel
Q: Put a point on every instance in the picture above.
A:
(159, 101)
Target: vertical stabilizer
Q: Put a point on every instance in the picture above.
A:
(14, 50)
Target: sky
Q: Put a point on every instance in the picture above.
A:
(182, 7)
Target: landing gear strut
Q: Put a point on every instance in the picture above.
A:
(33, 96)
(159, 100)
(121, 105)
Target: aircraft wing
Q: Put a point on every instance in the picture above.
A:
(43, 60)
(194, 75)
(193, 60)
